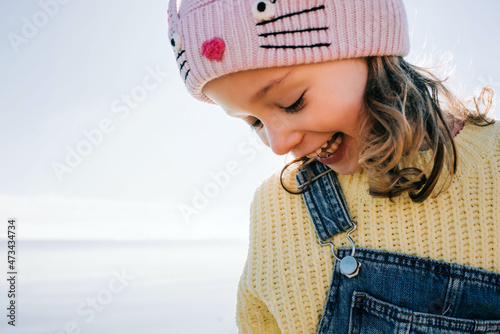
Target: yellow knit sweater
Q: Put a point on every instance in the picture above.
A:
(286, 278)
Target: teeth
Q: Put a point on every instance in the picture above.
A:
(332, 146)
(335, 145)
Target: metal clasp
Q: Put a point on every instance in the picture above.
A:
(349, 266)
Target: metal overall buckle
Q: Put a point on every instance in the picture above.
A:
(349, 266)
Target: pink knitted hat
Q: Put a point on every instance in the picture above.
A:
(212, 38)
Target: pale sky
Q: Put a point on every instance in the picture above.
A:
(71, 77)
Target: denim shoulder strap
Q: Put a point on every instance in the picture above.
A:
(324, 200)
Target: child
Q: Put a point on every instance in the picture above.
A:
(395, 174)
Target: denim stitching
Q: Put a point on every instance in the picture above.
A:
(359, 255)
(421, 315)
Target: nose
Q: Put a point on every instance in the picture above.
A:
(213, 49)
(282, 139)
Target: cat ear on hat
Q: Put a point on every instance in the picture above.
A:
(173, 17)
(172, 14)
(172, 9)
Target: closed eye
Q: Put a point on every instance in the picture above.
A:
(296, 106)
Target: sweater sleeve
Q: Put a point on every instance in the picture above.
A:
(252, 314)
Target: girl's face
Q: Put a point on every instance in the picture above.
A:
(300, 108)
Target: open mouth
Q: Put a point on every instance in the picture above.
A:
(328, 148)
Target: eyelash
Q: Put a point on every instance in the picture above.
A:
(255, 124)
(295, 107)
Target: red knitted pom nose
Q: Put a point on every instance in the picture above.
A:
(213, 49)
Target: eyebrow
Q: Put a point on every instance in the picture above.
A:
(270, 85)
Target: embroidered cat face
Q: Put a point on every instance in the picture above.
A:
(277, 24)
(212, 38)
(286, 30)
(176, 43)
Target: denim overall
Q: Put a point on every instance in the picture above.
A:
(377, 291)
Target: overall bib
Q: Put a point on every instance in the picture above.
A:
(375, 291)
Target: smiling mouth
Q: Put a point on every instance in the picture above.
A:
(329, 147)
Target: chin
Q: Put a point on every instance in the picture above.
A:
(345, 169)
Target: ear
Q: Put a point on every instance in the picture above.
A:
(172, 12)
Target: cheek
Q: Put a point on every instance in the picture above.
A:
(348, 97)
(337, 110)
(343, 94)
(341, 103)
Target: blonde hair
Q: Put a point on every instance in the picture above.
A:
(403, 112)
